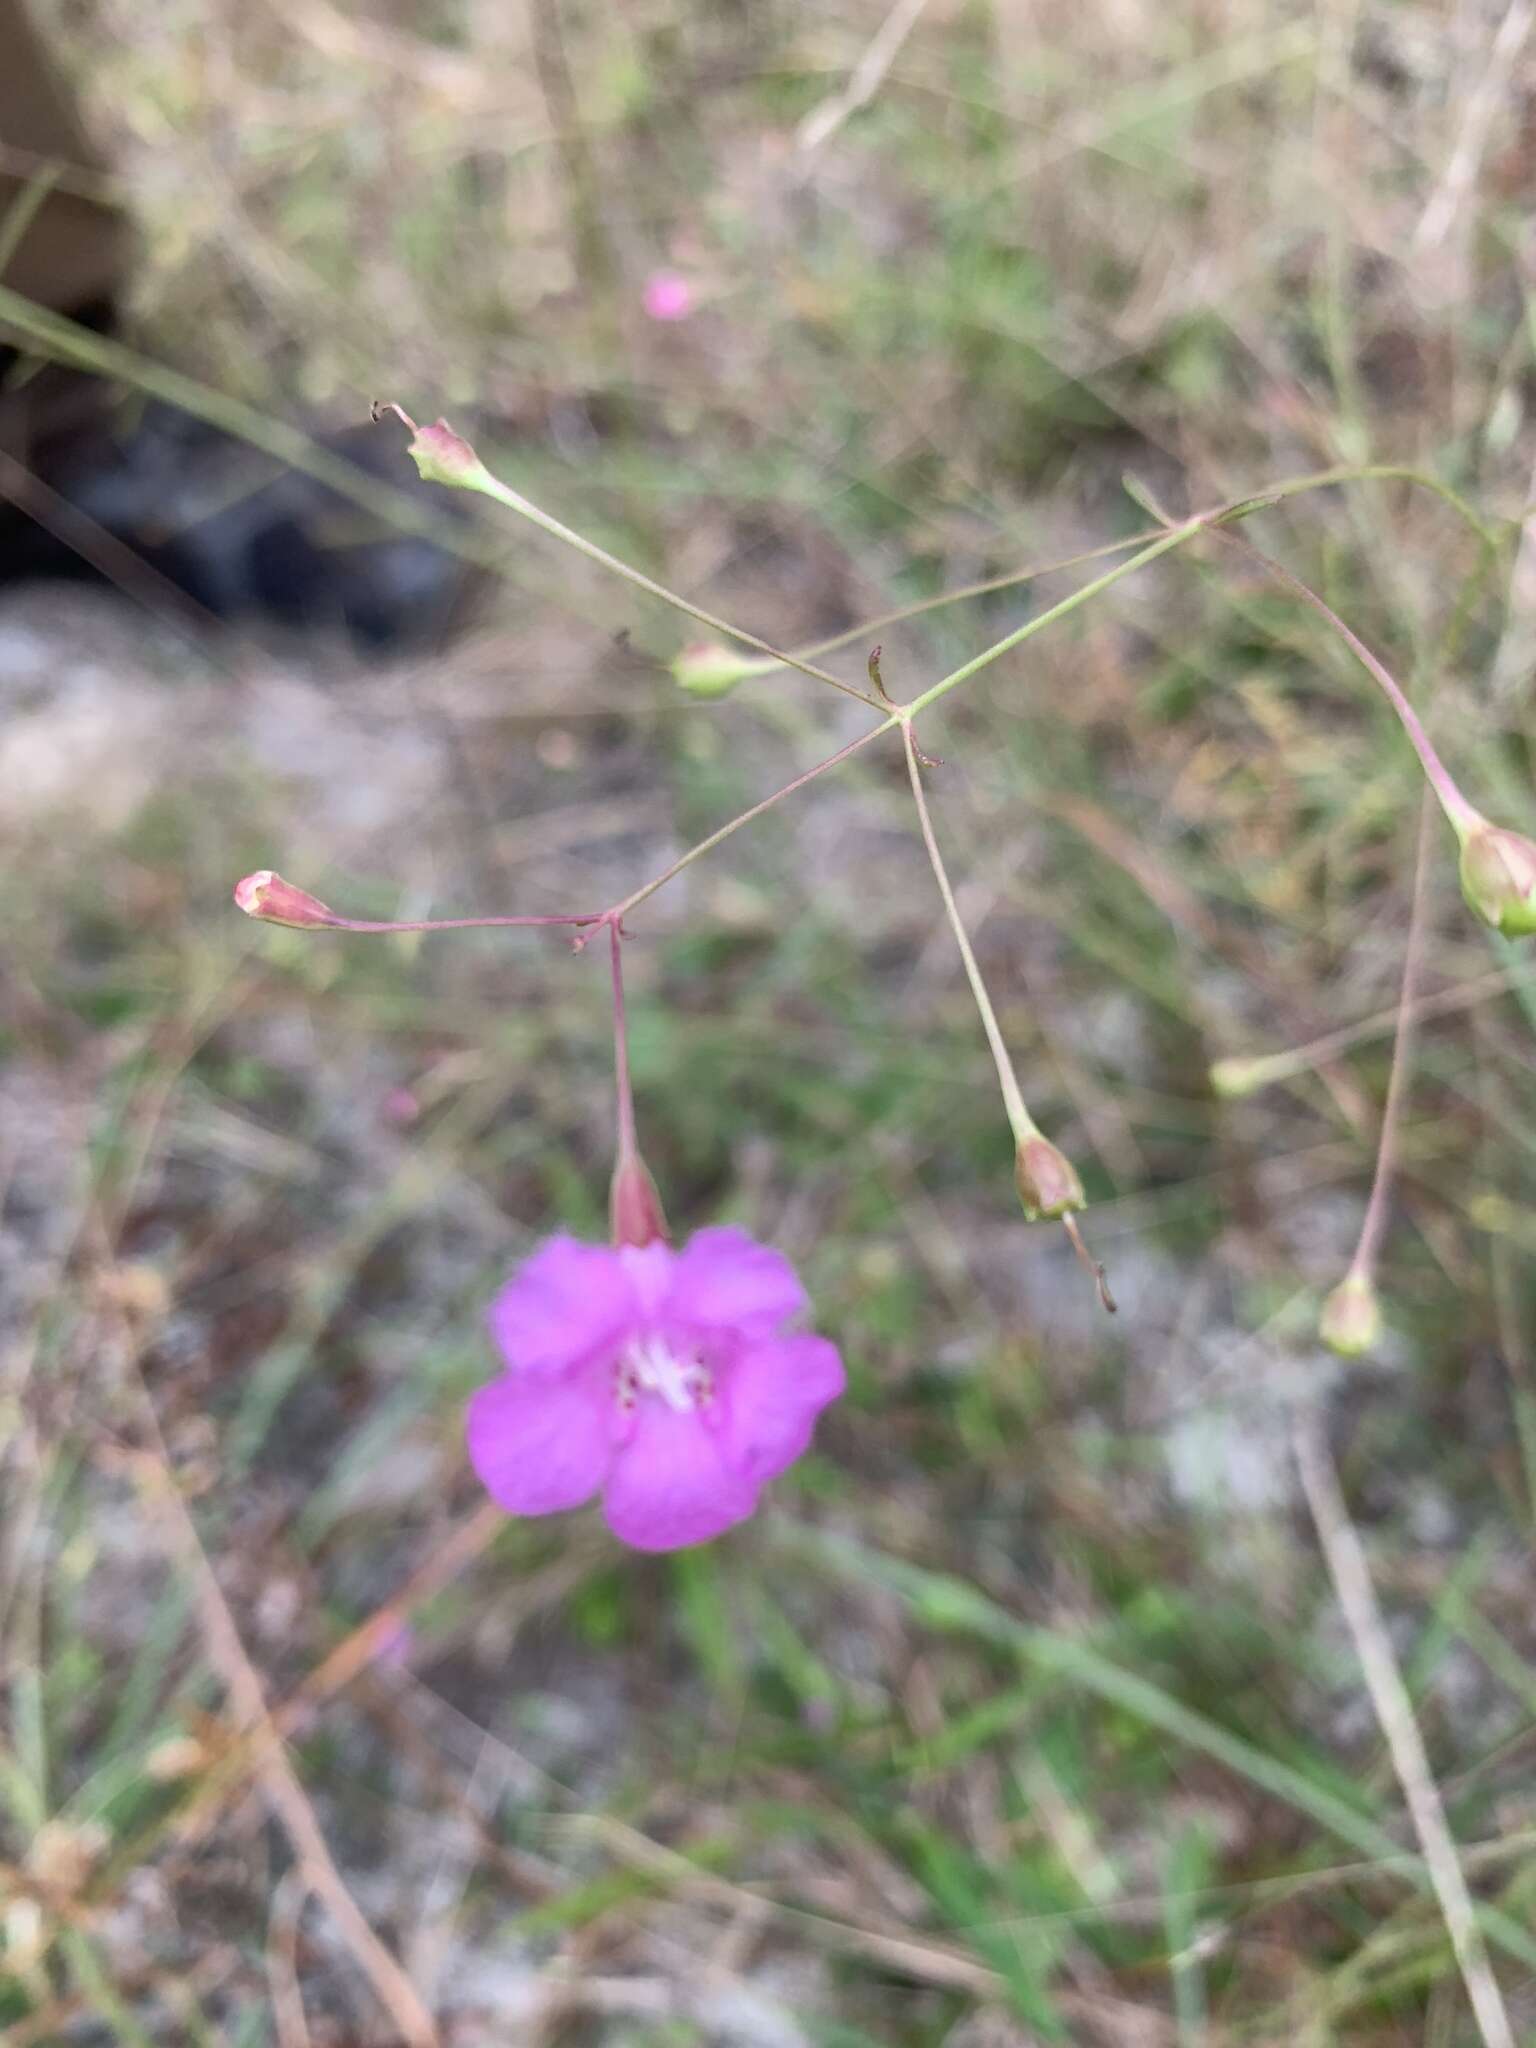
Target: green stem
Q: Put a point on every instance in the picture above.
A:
(1043, 619)
(628, 1149)
(503, 494)
(621, 910)
(1463, 817)
(1022, 1123)
(1234, 509)
(1364, 1261)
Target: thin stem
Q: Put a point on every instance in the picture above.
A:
(65, 340)
(627, 1147)
(458, 924)
(1235, 508)
(1363, 1263)
(1022, 1123)
(1043, 619)
(1267, 1068)
(1462, 816)
(621, 910)
(1347, 1567)
(500, 493)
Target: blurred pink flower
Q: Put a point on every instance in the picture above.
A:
(401, 1106)
(666, 1381)
(668, 296)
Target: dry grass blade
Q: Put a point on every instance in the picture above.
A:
(285, 1796)
(864, 81)
(1351, 1577)
(1479, 109)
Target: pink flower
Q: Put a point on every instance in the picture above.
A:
(663, 1380)
(668, 296)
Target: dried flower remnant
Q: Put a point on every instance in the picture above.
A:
(668, 1382)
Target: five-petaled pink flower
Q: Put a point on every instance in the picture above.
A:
(667, 1381)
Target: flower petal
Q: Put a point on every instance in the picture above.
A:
(724, 1280)
(568, 1303)
(670, 1485)
(541, 1442)
(770, 1399)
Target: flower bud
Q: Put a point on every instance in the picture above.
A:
(1350, 1323)
(1235, 1077)
(441, 456)
(1498, 878)
(1047, 1180)
(634, 1206)
(274, 901)
(710, 669)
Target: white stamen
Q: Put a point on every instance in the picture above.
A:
(649, 1364)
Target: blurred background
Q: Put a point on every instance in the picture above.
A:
(1026, 1713)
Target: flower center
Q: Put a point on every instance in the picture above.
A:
(650, 1367)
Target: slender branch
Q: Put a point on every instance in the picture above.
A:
(503, 494)
(1364, 1260)
(621, 910)
(1020, 1121)
(1216, 515)
(1463, 816)
(1047, 1182)
(462, 924)
(1247, 1075)
(1351, 1577)
(626, 1147)
(470, 473)
(1163, 546)
(268, 896)
(60, 339)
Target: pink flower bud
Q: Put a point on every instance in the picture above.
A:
(444, 457)
(1047, 1180)
(634, 1206)
(1498, 878)
(441, 455)
(1350, 1323)
(275, 901)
